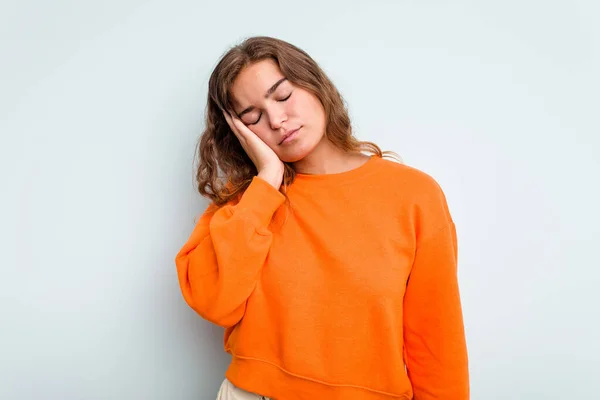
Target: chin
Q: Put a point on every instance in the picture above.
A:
(296, 152)
(299, 149)
(293, 157)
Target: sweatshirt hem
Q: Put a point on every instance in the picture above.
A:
(269, 379)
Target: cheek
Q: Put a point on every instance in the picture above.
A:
(308, 108)
(293, 105)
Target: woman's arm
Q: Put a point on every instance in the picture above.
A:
(435, 348)
(220, 264)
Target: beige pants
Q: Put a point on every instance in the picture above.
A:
(230, 392)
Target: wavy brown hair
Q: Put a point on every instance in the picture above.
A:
(224, 170)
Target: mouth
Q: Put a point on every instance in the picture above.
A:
(289, 136)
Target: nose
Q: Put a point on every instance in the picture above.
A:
(277, 117)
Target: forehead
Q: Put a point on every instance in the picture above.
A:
(254, 80)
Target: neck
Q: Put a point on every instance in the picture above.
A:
(326, 158)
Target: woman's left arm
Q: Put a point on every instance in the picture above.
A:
(434, 338)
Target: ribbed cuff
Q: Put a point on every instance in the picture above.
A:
(260, 200)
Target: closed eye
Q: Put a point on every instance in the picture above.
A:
(280, 101)
(286, 99)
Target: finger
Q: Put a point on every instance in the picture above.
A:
(238, 123)
(241, 129)
(231, 124)
(227, 118)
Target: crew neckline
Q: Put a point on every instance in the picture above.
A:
(340, 177)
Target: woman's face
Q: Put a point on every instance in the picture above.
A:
(272, 107)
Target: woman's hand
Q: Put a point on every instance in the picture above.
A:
(270, 167)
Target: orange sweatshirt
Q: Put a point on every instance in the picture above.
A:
(347, 293)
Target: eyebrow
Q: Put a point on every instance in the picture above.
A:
(271, 90)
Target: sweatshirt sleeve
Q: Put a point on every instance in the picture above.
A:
(435, 348)
(220, 264)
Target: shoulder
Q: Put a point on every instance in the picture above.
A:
(417, 193)
(408, 179)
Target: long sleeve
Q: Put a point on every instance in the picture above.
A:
(220, 264)
(435, 348)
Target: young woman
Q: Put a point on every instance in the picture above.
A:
(332, 271)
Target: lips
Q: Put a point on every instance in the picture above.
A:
(288, 134)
